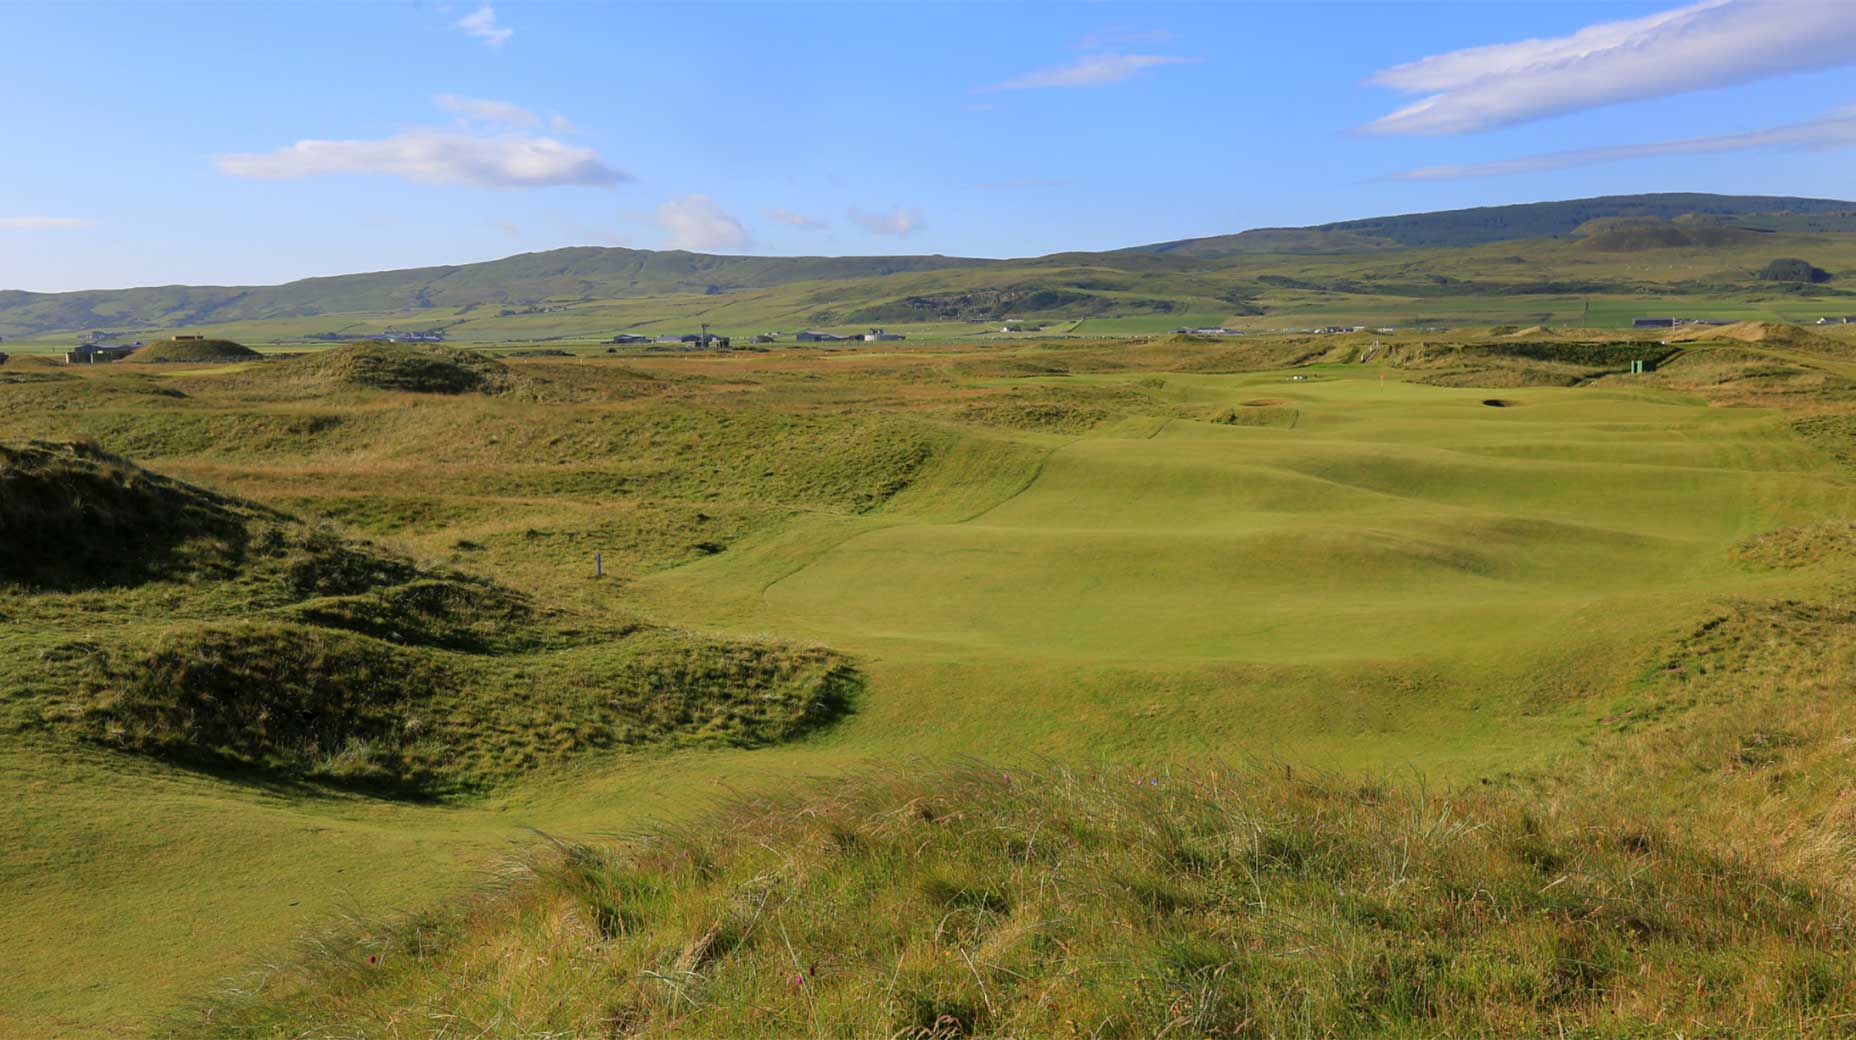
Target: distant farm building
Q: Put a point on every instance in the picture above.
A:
(406, 336)
(93, 353)
(765, 337)
(698, 340)
(878, 335)
(1670, 323)
(629, 337)
(818, 337)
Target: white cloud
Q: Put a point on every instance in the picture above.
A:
(696, 222)
(1834, 131)
(798, 220)
(481, 23)
(560, 124)
(484, 110)
(899, 221)
(435, 157)
(45, 223)
(1714, 43)
(1090, 70)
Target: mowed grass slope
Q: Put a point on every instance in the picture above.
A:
(1131, 563)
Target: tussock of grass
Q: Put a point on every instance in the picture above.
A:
(1044, 902)
(1273, 413)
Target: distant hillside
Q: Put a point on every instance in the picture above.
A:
(598, 291)
(1485, 224)
(525, 280)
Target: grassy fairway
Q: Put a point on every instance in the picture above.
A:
(1143, 565)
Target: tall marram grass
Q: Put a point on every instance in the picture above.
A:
(1051, 903)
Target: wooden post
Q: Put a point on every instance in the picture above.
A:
(599, 569)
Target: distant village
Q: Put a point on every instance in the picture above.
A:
(706, 340)
(104, 346)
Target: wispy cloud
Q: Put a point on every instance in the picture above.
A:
(478, 152)
(435, 157)
(1834, 131)
(509, 228)
(560, 124)
(481, 23)
(900, 221)
(697, 222)
(484, 110)
(798, 220)
(1090, 70)
(1709, 44)
(45, 223)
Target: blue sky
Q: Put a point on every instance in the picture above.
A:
(157, 143)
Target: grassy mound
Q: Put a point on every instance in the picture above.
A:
(193, 350)
(1768, 333)
(1046, 903)
(241, 637)
(308, 701)
(75, 516)
(1513, 362)
(331, 704)
(405, 367)
(1049, 416)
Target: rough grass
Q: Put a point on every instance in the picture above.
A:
(75, 515)
(1807, 545)
(1045, 902)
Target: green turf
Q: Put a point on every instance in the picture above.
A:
(1386, 575)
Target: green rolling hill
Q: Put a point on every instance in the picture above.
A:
(1588, 261)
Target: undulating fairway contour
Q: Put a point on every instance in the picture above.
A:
(1383, 685)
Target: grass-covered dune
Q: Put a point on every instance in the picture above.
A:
(407, 367)
(292, 652)
(193, 350)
